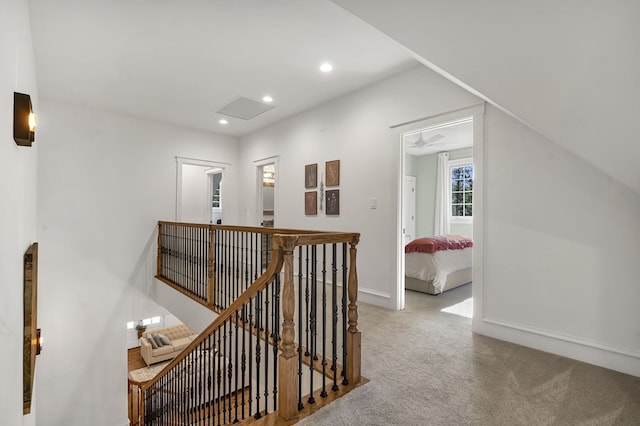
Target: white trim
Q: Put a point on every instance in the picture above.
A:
(374, 297)
(606, 356)
(477, 112)
(374, 293)
(180, 161)
(275, 160)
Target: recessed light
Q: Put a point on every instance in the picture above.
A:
(223, 121)
(326, 67)
(267, 99)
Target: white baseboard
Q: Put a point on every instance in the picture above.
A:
(366, 295)
(374, 297)
(621, 360)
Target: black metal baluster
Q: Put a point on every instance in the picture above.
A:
(195, 234)
(219, 368)
(172, 254)
(235, 388)
(249, 331)
(265, 334)
(276, 339)
(203, 262)
(247, 257)
(258, 320)
(225, 372)
(234, 284)
(230, 369)
(312, 322)
(244, 358)
(306, 299)
(334, 317)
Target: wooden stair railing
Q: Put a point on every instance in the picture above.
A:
(250, 362)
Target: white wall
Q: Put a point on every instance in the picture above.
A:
(104, 182)
(355, 130)
(18, 176)
(196, 203)
(561, 251)
(574, 291)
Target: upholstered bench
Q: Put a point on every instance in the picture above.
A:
(161, 344)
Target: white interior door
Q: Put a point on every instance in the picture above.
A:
(409, 200)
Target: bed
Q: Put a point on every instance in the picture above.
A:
(438, 263)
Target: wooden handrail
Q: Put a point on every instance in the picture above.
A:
(284, 242)
(274, 267)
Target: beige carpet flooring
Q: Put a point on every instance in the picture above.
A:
(426, 368)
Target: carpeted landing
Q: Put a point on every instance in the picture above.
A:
(426, 368)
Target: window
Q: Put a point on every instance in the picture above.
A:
(461, 189)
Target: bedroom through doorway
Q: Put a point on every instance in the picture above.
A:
(438, 209)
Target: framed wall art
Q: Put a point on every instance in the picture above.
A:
(333, 202)
(332, 172)
(311, 175)
(310, 203)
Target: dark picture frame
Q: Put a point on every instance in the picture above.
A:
(332, 173)
(333, 202)
(31, 339)
(311, 203)
(311, 175)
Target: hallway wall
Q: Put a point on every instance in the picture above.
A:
(104, 182)
(18, 178)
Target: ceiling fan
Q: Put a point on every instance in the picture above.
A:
(419, 143)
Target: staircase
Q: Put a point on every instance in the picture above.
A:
(285, 338)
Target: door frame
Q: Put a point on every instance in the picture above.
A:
(413, 181)
(180, 161)
(209, 177)
(275, 160)
(479, 226)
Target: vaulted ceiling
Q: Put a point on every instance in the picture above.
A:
(569, 69)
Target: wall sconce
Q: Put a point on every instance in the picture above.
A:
(24, 120)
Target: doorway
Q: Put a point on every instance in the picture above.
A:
(428, 137)
(214, 190)
(266, 191)
(199, 190)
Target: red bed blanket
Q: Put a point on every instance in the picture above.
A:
(438, 242)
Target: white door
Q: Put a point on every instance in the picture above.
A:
(409, 220)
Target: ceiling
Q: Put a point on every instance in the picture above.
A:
(440, 138)
(569, 69)
(179, 62)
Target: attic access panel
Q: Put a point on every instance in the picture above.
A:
(244, 108)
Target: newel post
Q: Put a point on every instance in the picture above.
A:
(288, 363)
(354, 337)
(211, 260)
